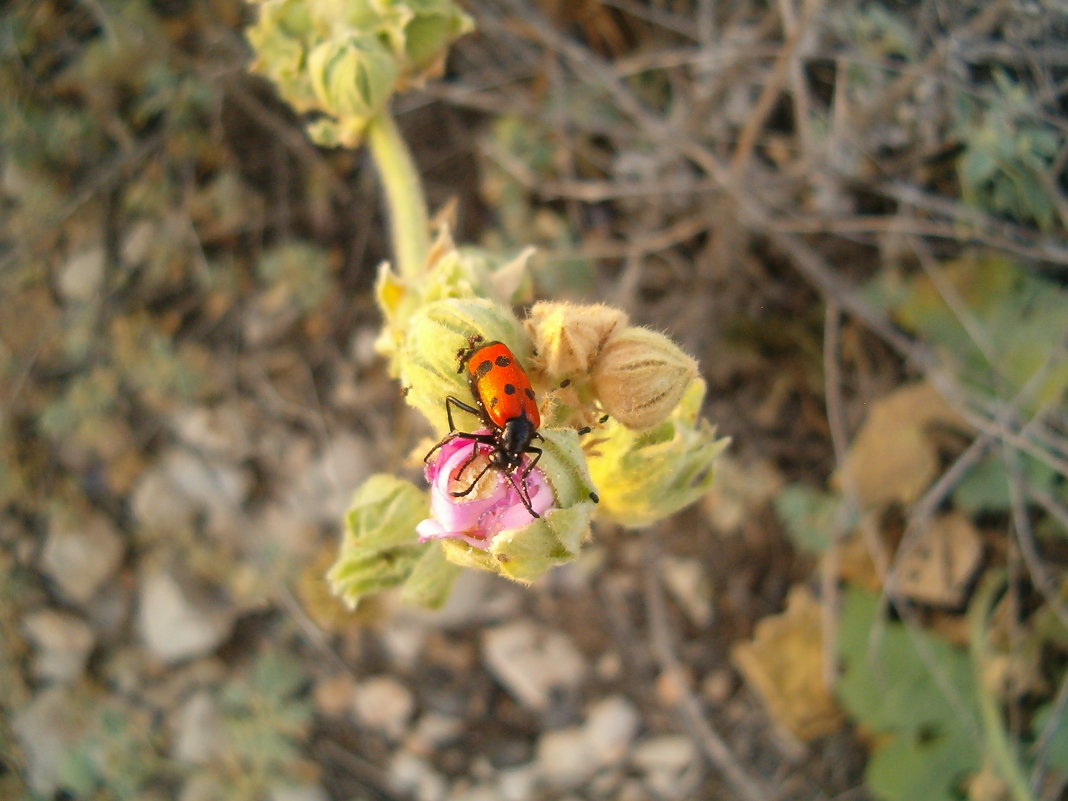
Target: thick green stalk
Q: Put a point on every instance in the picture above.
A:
(409, 222)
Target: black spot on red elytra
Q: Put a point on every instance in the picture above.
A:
(509, 389)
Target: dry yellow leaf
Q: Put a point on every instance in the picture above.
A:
(855, 563)
(986, 785)
(892, 459)
(784, 666)
(938, 567)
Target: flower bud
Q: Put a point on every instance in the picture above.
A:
(352, 77)
(436, 333)
(568, 337)
(524, 553)
(344, 58)
(423, 31)
(640, 375)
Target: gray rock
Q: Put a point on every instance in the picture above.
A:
(297, 792)
(517, 784)
(668, 763)
(463, 790)
(140, 242)
(414, 777)
(322, 489)
(610, 727)
(81, 278)
(175, 626)
(217, 430)
(43, 729)
(384, 704)
(79, 558)
(199, 735)
(531, 661)
(170, 494)
(432, 731)
(687, 581)
(202, 786)
(565, 758)
(63, 644)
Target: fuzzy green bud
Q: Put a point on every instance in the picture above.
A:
(436, 333)
(451, 272)
(345, 58)
(640, 375)
(420, 31)
(280, 40)
(647, 475)
(352, 77)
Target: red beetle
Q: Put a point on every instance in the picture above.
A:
(505, 403)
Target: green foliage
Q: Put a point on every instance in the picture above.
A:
(993, 323)
(344, 61)
(919, 693)
(379, 547)
(986, 487)
(265, 718)
(118, 753)
(523, 219)
(1055, 747)
(297, 270)
(1008, 152)
(878, 32)
(810, 516)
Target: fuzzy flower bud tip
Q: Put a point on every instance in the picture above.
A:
(568, 337)
(493, 506)
(640, 375)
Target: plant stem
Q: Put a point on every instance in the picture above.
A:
(409, 222)
(999, 749)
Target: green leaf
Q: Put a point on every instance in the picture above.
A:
(917, 690)
(1056, 748)
(986, 487)
(384, 513)
(810, 516)
(1015, 322)
(896, 679)
(644, 476)
(431, 579)
(379, 548)
(932, 769)
(525, 554)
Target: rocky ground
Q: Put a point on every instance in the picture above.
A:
(189, 394)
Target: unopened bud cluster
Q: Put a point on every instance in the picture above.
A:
(344, 60)
(633, 374)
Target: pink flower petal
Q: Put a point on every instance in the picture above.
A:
(494, 505)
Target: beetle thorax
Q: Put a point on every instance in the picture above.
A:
(513, 439)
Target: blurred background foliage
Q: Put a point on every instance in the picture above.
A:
(854, 215)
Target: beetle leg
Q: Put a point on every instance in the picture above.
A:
(537, 455)
(474, 483)
(485, 439)
(451, 401)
